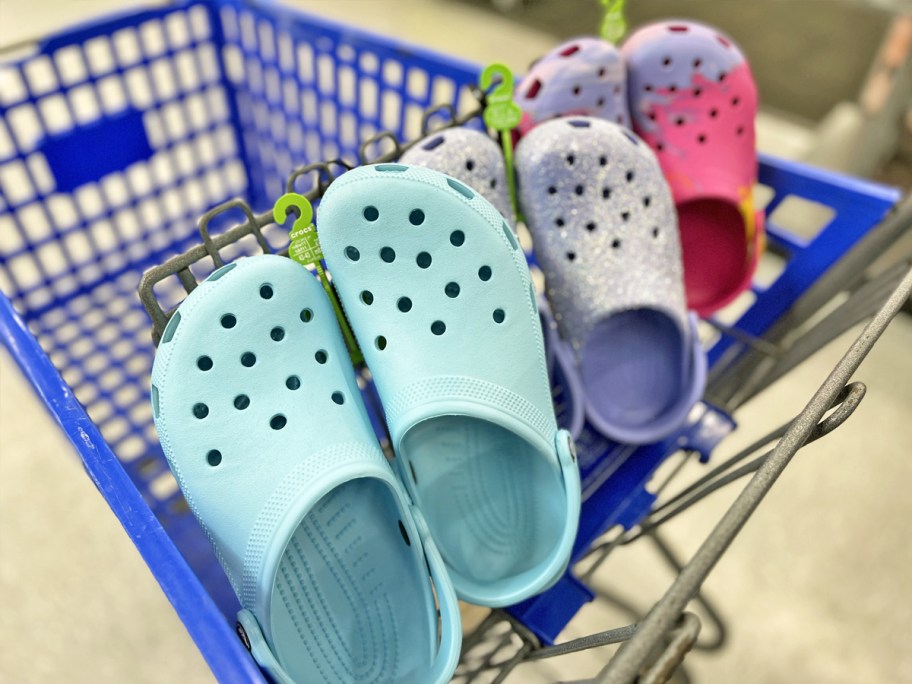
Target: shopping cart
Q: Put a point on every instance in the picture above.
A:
(115, 136)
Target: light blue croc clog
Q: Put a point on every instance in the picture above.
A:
(261, 420)
(438, 292)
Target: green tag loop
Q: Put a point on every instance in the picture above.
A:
(503, 115)
(614, 26)
(305, 249)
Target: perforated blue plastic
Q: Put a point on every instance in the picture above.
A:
(117, 134)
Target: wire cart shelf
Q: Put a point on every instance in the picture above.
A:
(117, 134)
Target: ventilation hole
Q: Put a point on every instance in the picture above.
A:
(388, 254)
(218, 273)
(395, 168)
(266, 291)
(200, 411)
(457, 238)
(666, 62)
(629, 176)
(438, 327)
(631, 137)
(470, 165)
(619, 119)
(430, 145)
(405, 304)
(367, 297)
(570, 159)
(600, 102)
(615, 244)
(590, 226)
(172, 327)
(572, 50)
(416, 217)
(484, 273)
(739, 130)
(713, 113)
(214, 457)
(697, 62)
(155, 401)
(603, 161)
(552, 190)
(423, 260)
(660, 146)
(617, 90)
(678, 28)
(352, 253)
(533, 89)
(655, 232)
(248, 359)
(414, 474)
(722, 77)
(579, 123)
(293, 382)
(499, 315)
(404, 534)
(380, 342)
(460, 188)
(736, 101)
(452, 290)
(601, 72)
(647, 88)
(278, 421)
(306, 315)
(228, 321)
(204, 363)
(277, 334)
(338, 398)
(493, 183)
(578, 189)
(625, 215)
(571, 256)
(652, 116)
(372, 213)
(606, 193)
(679, 121)
(647, 201)
(672, 88)
(241, 402)
(698, 92)
(701, 138)
(559, 222)
(723, 41)
(321, 356)
(577, 90)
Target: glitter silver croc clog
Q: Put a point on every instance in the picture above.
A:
(469, 156)
(606, 236)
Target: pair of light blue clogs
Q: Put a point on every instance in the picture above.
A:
(341, 561)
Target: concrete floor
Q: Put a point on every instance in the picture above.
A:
(817, 588)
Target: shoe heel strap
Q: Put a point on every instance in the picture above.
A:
(451, 621)
(252, 636)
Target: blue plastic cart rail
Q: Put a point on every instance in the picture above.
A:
(115, 135)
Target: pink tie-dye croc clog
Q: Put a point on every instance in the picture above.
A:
(584, 76)
(693, 100)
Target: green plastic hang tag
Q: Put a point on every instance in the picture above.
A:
(614, 26)
(305, 245)
(305, 249)
(503, 115)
